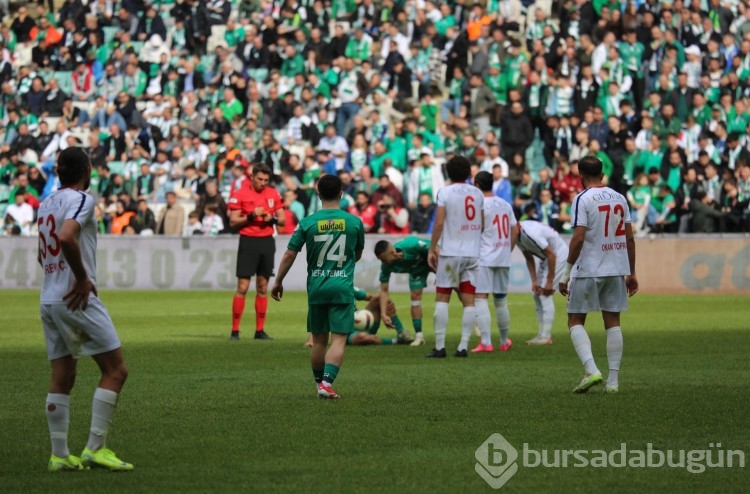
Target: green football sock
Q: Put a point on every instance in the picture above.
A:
(417, 325)
(318, 375)
(387, 341)
(330, 373)
(399, 325)
(374, 328)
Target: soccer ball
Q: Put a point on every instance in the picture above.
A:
(363, 320)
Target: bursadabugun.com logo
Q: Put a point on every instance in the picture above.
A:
(497, 459)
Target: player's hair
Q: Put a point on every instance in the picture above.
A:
(329, 187)
(484, 181)
(590, 166)
(458, 169)
(71, 165)
(381, 247)
(261, 168)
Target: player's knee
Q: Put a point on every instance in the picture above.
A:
(64, 383)
(500, 296)
(416, 296)
(118, 373)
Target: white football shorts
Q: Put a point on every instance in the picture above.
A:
(78, 333)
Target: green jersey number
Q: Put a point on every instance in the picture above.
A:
(335, 252)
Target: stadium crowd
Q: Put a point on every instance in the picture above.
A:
(175, 100)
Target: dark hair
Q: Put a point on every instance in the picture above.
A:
(72, 164)
(261, 168)
(329, 187)
(483, 181)
(363, 193)
(381, 247)
(458, 169)
(590, 166)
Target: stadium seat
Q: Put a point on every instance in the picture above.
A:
(109, 34)
(415, 90)
(65, 81)
(46, 75)
(83, 105)
(51, 122)
(22, 55)
(137, 46)
(116, 167)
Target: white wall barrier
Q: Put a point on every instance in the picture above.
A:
(665, 265)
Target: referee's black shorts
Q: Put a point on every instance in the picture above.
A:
(255, 256)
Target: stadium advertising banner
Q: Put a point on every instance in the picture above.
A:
(665, 265)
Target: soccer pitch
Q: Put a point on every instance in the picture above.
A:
(202, 414)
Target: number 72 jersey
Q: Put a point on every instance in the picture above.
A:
(63, 205)
(604, 212)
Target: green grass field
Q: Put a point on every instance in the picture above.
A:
(202, 414)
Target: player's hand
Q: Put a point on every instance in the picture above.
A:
(277, 292)
(78, 296)
(259, 211)
(563, 287)
(368, 297)
(548, 290)
(536, 289)
(387, 321)
(631, 283)
(432, 259)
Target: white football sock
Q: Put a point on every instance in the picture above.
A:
(441, 324)
(548, 316)
(503, 318)
(58, 418)
(467, 327)
(582, 344)
(614, 353)
(539, 314)
(484, 319)
(102, 413)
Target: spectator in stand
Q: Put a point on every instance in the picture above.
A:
(392, 218)
(364, 210)
(422, 216)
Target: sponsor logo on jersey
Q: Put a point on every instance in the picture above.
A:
(270, 203)
(331, 226)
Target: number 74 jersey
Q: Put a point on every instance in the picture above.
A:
(604, 212)
(63, 205)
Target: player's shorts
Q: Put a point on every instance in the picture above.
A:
(492, 279)
(543, 269)
(452, 271)
(255, 256)
(418, 279)
(330, 318)
(607, 293)
(78, 333)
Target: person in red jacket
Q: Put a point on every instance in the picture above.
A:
(392, 219)
(567, 184)
(255, 209)
(365, 211)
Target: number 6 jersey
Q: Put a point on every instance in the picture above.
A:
(462, 231)
(604, 212)
(62, 205)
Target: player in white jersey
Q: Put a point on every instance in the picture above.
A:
(602, 266)
(537, 240)
(458, 232)
(74, 320)
(498, 239)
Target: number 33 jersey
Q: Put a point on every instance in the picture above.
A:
(63, 205)
(462, 230)
(604, 213)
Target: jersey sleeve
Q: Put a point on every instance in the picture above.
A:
(359, 294)
(360, 236)
(234, 203)
(298, 239)
(440, 199)
(80, 210)
(580, 218)
(278, 203)
(625, 208)
(385, 273)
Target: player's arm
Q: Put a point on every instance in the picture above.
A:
(437, 232)
(384, 297)
(287, 260)
(574, 251)
(238, 219)
(531, 267)
(277, 217)
(551, 267)
(631, 282)
(514, 234)
(78, 296)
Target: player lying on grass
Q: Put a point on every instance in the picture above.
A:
(361, 338)
(405, 256)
